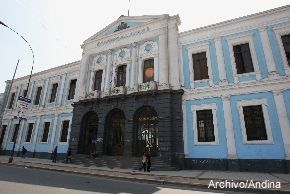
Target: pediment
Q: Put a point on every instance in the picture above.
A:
(124, 23)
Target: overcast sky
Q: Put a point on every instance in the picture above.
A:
(56, 28)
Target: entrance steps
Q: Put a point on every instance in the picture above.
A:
(122, 162)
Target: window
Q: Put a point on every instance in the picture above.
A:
(200, 68)
(29, 132)
(53, 92)
(37, 97)
(254, 123)
(205, 126)
(15, 133)
(243, 59)
(11, 101)
(64, 131)
(45, 132)
(148, 71)
(2, 135)
(98, 80)
(121, 76)
(24, 93)
(72, 88)
(286, 45)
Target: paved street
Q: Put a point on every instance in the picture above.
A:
(14, 180)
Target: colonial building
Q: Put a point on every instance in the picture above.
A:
(216, 97)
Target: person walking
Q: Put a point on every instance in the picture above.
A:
(54, 154)
(24, 150)
(68, 156)
(143, 160)
(148, 162)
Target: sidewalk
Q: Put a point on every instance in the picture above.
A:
(194, 178)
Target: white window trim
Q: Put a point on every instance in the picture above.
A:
(68, 130)
(195, 108)
(50, 91)
(280, 31)
(13, 124)
(255, 102)
(49, 131)
(26, 131)
(247, 38)
(198, 49)
(9, 99)
(115, 69)
(70, 78)
(34, 95)
(92, 79)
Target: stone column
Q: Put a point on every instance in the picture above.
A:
(54, 131)
(220, 61)
(163, 61)
(43, 99)
(35, 138)
(61, 90)
(108, 71)
(268, 52)
(173, 54)
(140, 70)
(133, 66)
(82, 79)
(229, 128)
(283, 120)
(20, 136)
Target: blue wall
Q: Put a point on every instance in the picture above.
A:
(206, 151)
(258, 151)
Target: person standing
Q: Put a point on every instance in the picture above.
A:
(24, 150)
(68, 156)
(143, 160)
(148, 161)
(54, 154)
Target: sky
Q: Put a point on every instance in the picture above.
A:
(55, 29)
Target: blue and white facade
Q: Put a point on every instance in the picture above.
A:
(225, 91)
(53, 113)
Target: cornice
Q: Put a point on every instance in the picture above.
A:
(241, 20)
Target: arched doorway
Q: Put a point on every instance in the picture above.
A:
(145, 133)
(115, 128)
(88, 134)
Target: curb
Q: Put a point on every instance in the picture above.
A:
(156, 179)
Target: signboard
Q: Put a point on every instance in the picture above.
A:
(23, 103)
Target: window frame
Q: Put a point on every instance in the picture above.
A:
(13, 131)
(279, 32)
(10, 102)
(117, 74)
(198, 49)
(242, 39)
(35, 95)
(42, 131)
(68, 130)
(194, 109)
(69, 87)
(56, 92)
(94, 80)
(254, 102)
(143, 69)
(32, 132)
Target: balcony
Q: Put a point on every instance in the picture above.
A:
(148, 86)
(118, 90)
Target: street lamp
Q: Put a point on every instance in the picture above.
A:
(20, 118)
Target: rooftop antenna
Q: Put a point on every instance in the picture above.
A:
(129, 9)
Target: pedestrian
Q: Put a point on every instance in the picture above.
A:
(148, 162)
(54, 154)
(68, 156)
(143, 160)
(24, 150)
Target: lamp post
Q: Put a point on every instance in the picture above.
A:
(19, 117)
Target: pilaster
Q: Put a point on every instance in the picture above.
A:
(220, 61)
(163, 61)
(229, 128)
(283, 120)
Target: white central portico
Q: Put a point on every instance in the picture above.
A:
(139, 38)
